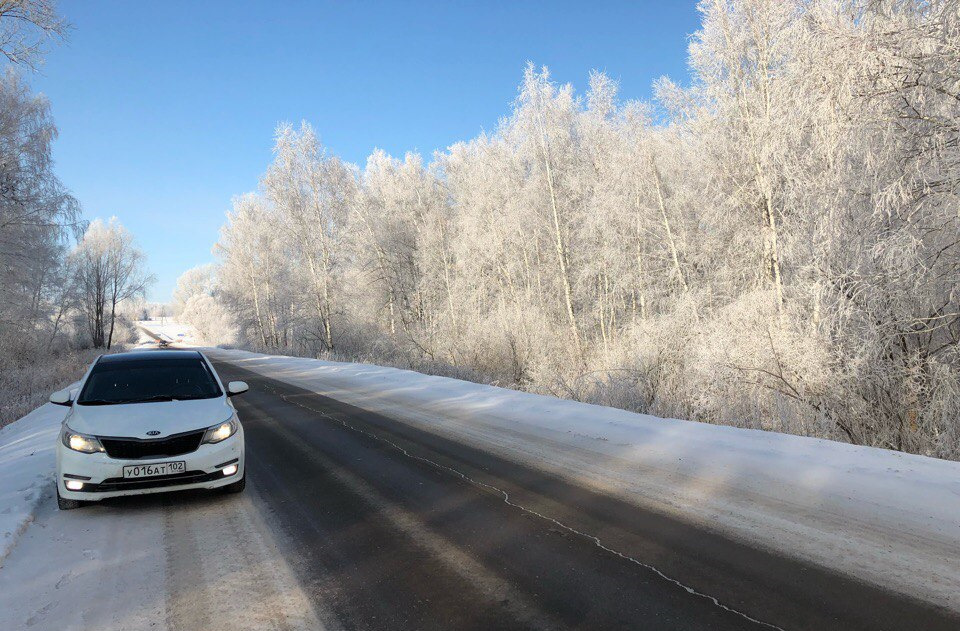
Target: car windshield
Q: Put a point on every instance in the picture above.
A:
(146, 380)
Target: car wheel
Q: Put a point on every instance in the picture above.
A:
(235, 487)
(65, 504)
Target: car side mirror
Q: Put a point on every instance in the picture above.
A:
(61, 397)
(237, 387)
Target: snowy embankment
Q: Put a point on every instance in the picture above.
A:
(889, 518)
(27, 462)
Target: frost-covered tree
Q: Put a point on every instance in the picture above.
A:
(37, 216)
(193, 282)
(401, 249)
(310, 193)
(774, 245)
(109, 269)
(196, 302)
(25, 25)
(257, 275)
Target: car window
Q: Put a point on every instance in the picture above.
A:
(140, 381)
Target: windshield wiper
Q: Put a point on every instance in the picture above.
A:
(155, 398)
(99, 402)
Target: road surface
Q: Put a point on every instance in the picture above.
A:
(353, 520)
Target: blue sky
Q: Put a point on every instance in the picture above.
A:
(167, 110)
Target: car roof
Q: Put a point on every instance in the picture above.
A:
(147, 355)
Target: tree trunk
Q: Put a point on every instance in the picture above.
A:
(559, 244)
(256, 309)
(666, 224)
(639, 295)
(113, 315)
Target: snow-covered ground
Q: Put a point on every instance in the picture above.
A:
(889, 518)
(146, 564)
(26, 468)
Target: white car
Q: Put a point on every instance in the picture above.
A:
(147, 422)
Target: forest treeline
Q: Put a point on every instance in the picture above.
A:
(774, 245)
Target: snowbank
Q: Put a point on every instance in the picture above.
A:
(886, 517)
(27, 463)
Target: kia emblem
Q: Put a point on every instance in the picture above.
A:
(153, 432)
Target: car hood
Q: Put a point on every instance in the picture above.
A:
(134, 420)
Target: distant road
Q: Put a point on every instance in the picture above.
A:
(354, 520)
(149, 333)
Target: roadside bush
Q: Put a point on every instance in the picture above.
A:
(26, 382)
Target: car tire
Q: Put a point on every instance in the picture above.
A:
(235, 487)
(65, 504)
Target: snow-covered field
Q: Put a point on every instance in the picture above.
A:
(886, 517)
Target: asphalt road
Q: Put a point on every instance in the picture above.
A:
(353, 520)
(389, 527)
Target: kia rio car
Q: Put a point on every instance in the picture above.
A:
(146, 422)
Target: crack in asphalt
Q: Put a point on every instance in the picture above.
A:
(506, 500)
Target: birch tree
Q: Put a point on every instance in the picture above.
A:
(311, 192)
(109, 270)
(257, 273)
(543, 126)
(25, 26)
(402, 243)
(37, 215)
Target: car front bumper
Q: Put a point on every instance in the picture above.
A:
(102, 476)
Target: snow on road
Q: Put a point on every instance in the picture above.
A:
(890, 518)
(189, 561)
(136, 563)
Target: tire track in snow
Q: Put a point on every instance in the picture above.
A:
(235, 573)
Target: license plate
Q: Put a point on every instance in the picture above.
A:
(157, 468)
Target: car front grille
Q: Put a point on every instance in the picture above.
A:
(156, 482)
(134, 448)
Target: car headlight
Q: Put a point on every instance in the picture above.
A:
(220, 431)
(80, 442)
